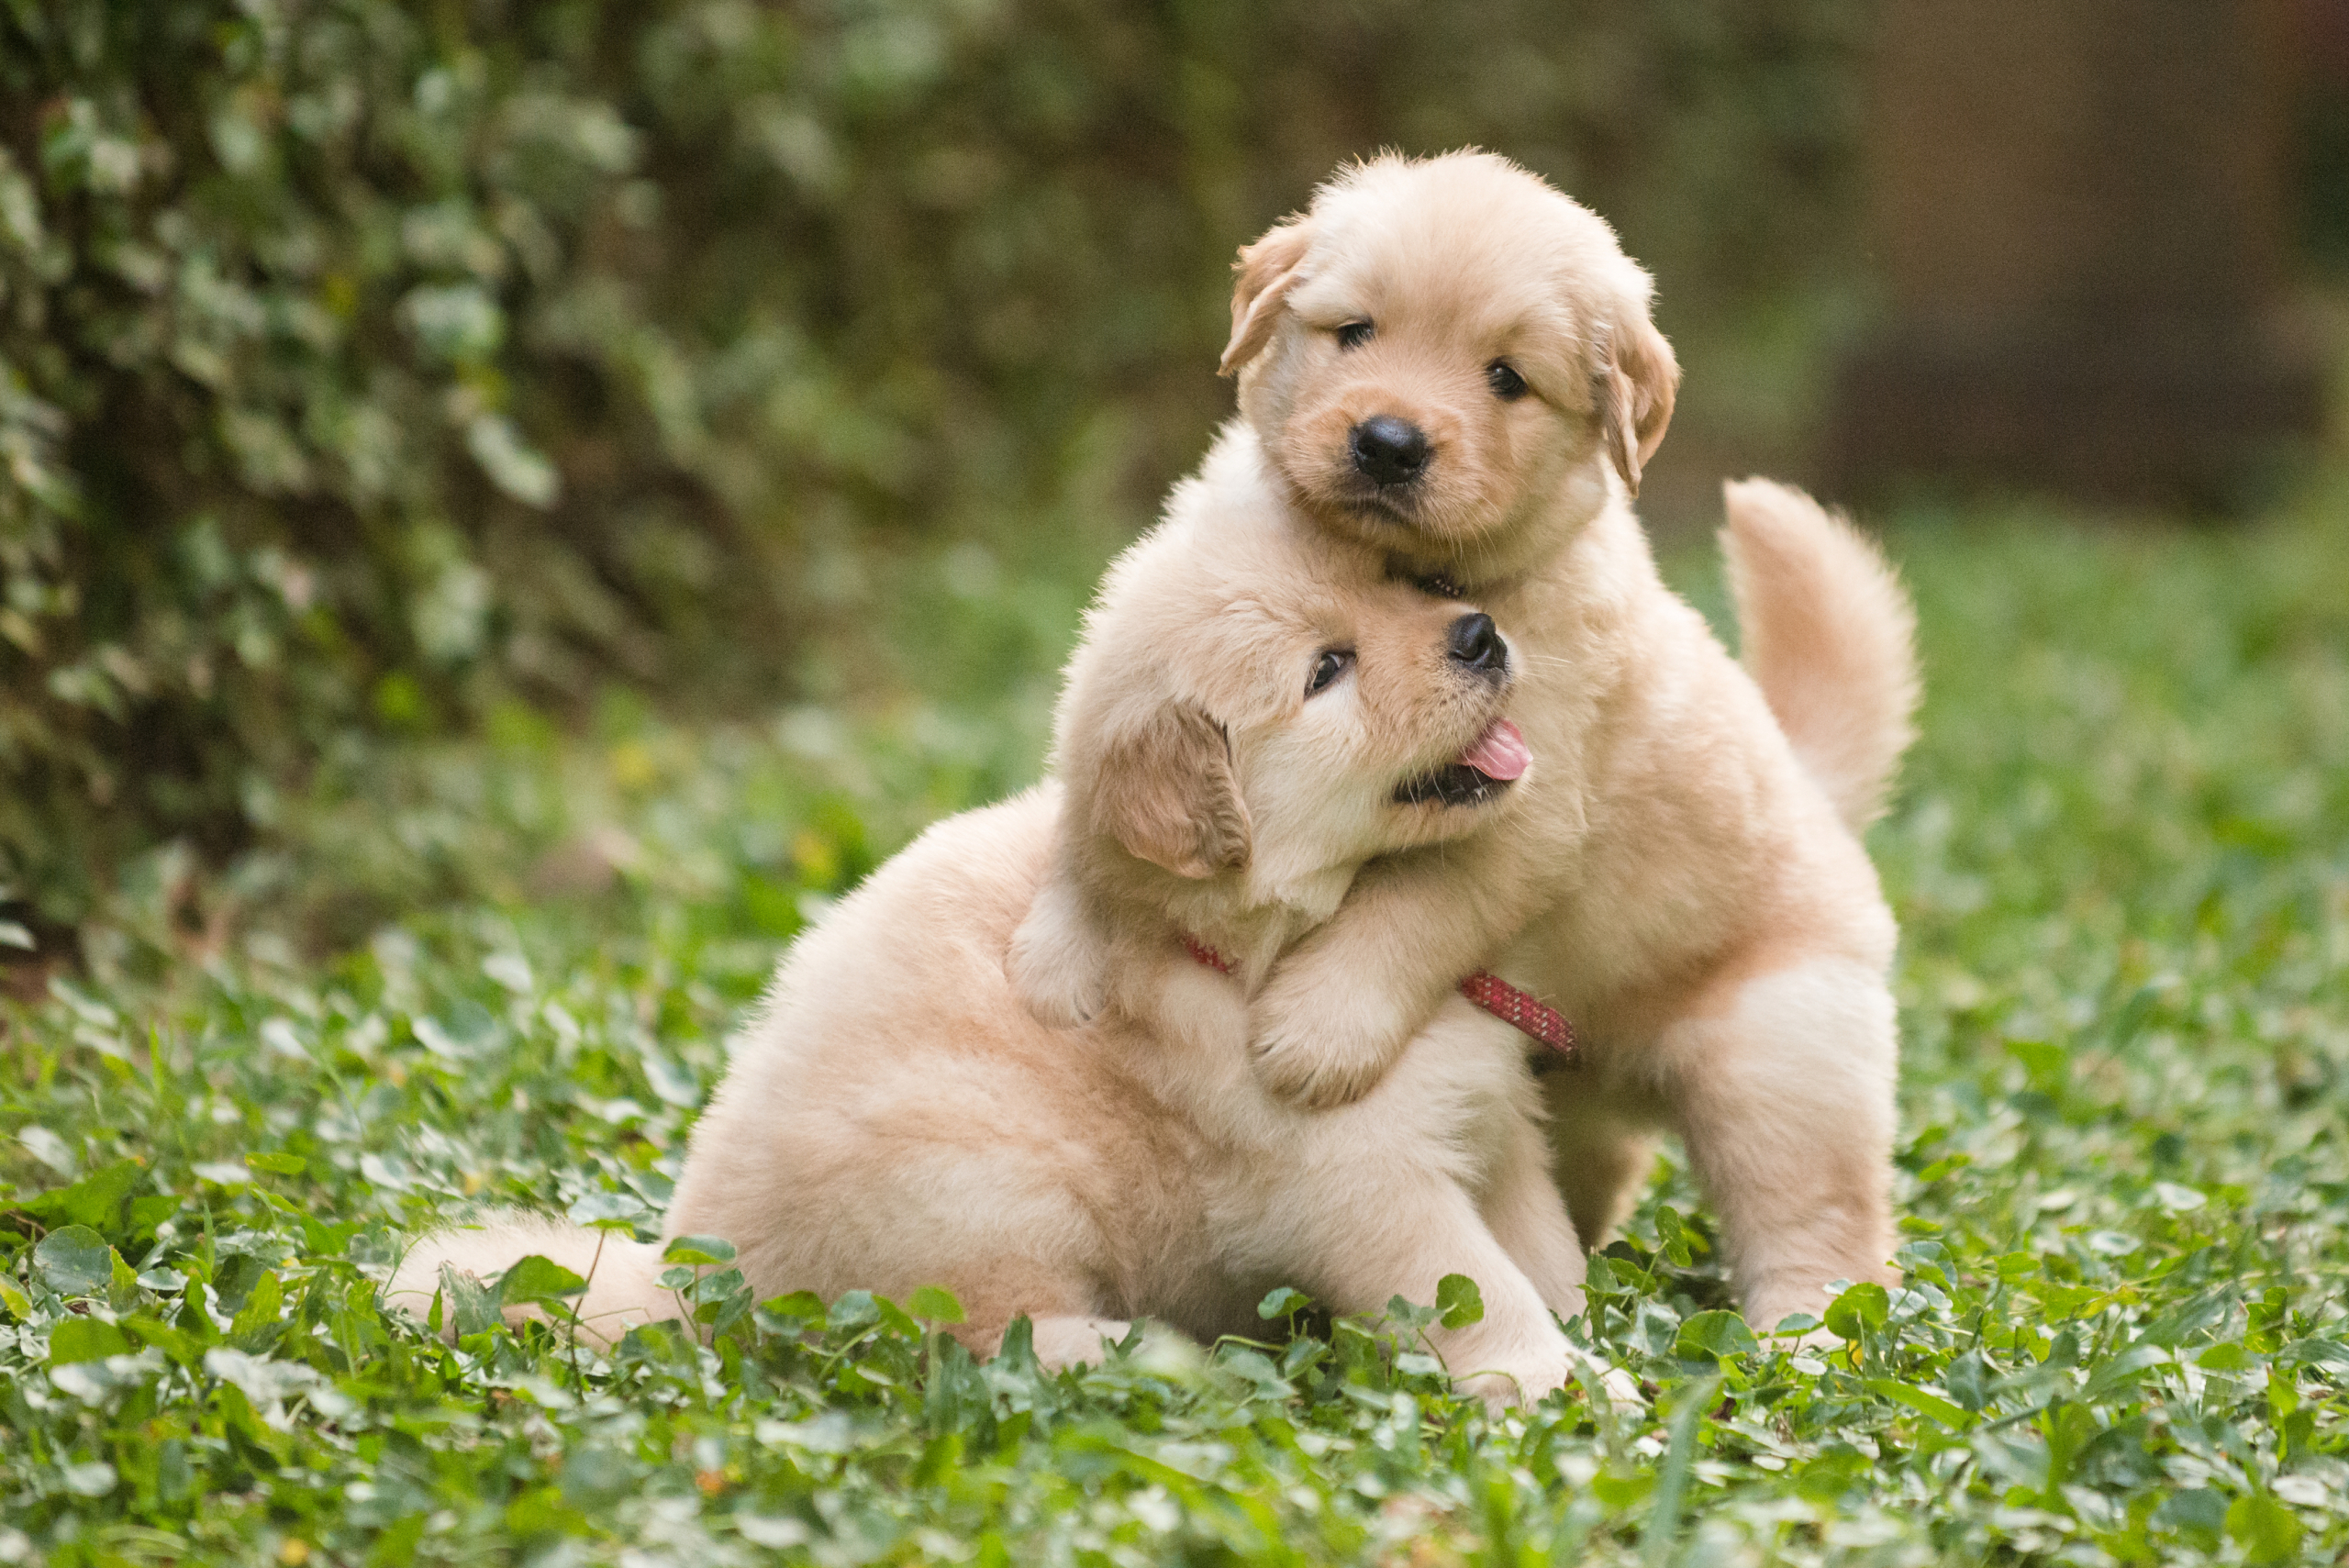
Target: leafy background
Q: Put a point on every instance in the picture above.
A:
(365, 366)
(507, 510)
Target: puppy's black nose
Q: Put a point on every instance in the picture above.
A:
(1477, 644)
(1389, 450)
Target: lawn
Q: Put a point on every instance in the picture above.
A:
(2122, 861)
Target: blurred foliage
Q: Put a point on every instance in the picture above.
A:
(368, 365)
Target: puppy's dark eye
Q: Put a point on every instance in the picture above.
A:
(1354, 334)
(1332, 663)
(1507, 385)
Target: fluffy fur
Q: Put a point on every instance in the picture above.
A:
(1826, 632)
(1681, 874)
(895, 1118)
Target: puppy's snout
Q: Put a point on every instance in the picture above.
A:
(1474, 643)
(1388, 451)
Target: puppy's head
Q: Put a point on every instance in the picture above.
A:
(1244, 726)
(1438, 347)
(1278, 713)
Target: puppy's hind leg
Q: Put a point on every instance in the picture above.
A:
(1060, 1340)
(1785, 1099)
(1599, 1158)
(1060, 1306)
(623, 1289)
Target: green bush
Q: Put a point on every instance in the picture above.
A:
(365, 365)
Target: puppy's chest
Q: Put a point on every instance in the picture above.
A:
(1586, 949)
(1618, 910)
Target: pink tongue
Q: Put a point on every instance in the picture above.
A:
(1500, 752)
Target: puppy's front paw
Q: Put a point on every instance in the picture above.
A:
(1321, 1051)
(1621, 1389)
(1055, 963)
(1522, 1368)
(1059, 994)
(1526, 1385)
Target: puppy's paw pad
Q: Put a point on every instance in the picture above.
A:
(1057, 965)
(1062, 1009)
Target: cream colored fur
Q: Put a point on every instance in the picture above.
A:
(622, 1273)
(895, 1118)
(1680, 874)
(1826, 632)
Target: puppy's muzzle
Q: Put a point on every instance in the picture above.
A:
(1387, 451)
(1474, 644)
(1498, 756)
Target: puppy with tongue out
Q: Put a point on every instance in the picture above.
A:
(1450, 366)
(1500, 756)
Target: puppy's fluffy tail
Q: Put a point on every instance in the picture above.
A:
(1829, 634)
(622, 1275)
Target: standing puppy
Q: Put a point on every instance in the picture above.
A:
(1449, 363)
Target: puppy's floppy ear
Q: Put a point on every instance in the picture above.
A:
(1267, 271)
(1165, 790)
(1636, 377)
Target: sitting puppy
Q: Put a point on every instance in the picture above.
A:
(1252, 717)
(1451, 366)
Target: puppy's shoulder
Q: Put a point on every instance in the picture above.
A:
(984, 862)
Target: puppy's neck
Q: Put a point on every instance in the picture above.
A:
(1528, 546)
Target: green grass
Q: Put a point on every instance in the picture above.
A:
(2122, 861)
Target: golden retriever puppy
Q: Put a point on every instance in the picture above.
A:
(1449, 364)
(1244, 726)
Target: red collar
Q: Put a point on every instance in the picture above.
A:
(1517, 1008)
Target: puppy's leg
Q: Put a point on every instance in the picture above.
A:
(623, 1290)
(1528, 1219)
(1056, 1300)
(1785, 1099)
(1522, 1209)
(1598, 1158)
(1064, 1343)
(1339, 1009)
(1061, 1339)
(1360, 1237)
